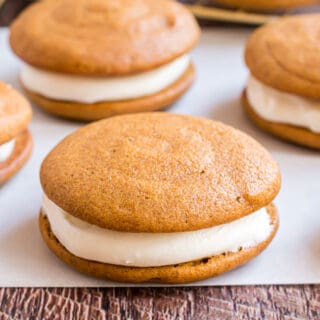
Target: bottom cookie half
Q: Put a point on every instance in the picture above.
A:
(296, 135)
(96, 111)
(179, 273)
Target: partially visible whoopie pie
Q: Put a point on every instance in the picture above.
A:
(158, 197)
(15, 138)
(88, 60)
(265, 5)
(282, 95)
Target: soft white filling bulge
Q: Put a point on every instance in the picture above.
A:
(282, 107)
(96, 89)
(6, 150)
(154, 249)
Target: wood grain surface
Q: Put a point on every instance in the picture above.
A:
(256, 302)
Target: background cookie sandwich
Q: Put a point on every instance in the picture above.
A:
(283, 91)
(265, 5)
(158, 197)
(92, 59)
(15, 138)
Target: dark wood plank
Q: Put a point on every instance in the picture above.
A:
(9, 9)
(257, 302)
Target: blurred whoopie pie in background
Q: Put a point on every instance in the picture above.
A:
(282, 95)
(88, 60)
(15, 138)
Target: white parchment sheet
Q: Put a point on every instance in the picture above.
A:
(294, 255)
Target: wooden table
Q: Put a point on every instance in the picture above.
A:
(257, 302)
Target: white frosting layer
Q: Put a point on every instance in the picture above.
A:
(154, 249)
(84, 89)
(282, 107)
(6, 150)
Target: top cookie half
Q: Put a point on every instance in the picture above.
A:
(285, 55)
(158, 172)
(103, 38)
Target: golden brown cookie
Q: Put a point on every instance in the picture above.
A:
(127, 173)
(96, 111)
(21, 153)
(99, 37)
(282, 58)
(15, 114)
(287, 132)
(265, 5)
(179, 273)
(285, 55)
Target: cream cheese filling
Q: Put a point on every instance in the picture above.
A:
(91, 242)
(6, 150)
(84, 89)
(282, 107)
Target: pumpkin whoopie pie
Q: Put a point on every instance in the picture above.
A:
(283, 91)
(88, 60)
(265, 5)
(15, 138)
(158, 197)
